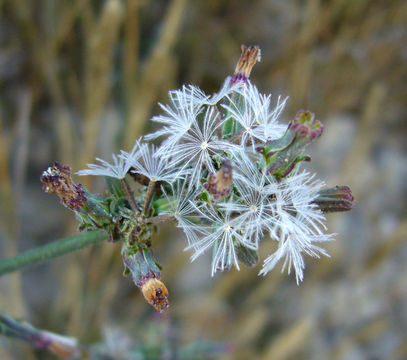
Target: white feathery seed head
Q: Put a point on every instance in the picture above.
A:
(194, 150)
(224, 235)
(147, 163)
(185, 105)
(297, 223)
(253, 112)
(118, 169)
(180, 200)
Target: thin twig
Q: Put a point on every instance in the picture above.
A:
(60, 345)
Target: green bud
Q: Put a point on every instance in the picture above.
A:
(282, 155)
(338, 198)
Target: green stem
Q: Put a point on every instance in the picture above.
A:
(49, 251)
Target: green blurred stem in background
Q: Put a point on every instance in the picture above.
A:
(49, 251)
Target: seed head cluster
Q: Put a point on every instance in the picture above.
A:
(226, 170)
(215, 182)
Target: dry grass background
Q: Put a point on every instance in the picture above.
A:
(80, 78)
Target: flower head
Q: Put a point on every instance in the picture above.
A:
(224, 234)
(253, 112)
(297, 222)
(252, 209)
(180, 115)
(180, 205)
(195, 149)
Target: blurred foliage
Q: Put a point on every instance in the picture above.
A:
(81, 78)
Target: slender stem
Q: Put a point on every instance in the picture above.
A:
(149, 195)
(129, 196)
(160, 219)
(49, 251)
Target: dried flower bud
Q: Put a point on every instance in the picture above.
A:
(338, 198)
(250, 55)
(57, 180)
(156, 293)
(219, 184)
(146, 275)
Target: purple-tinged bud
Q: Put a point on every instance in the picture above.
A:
(250, 55)
(305, 125)
(282, 155)
(219, 184)
(57, 180)
(146, 275)
(338, 198)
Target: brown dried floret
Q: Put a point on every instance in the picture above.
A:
(250, 55)
(156, 293)
(57, 180)
(219, 184)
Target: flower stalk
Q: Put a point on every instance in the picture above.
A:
(149, 195)
(129, 196)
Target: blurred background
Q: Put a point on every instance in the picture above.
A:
(81, 78)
